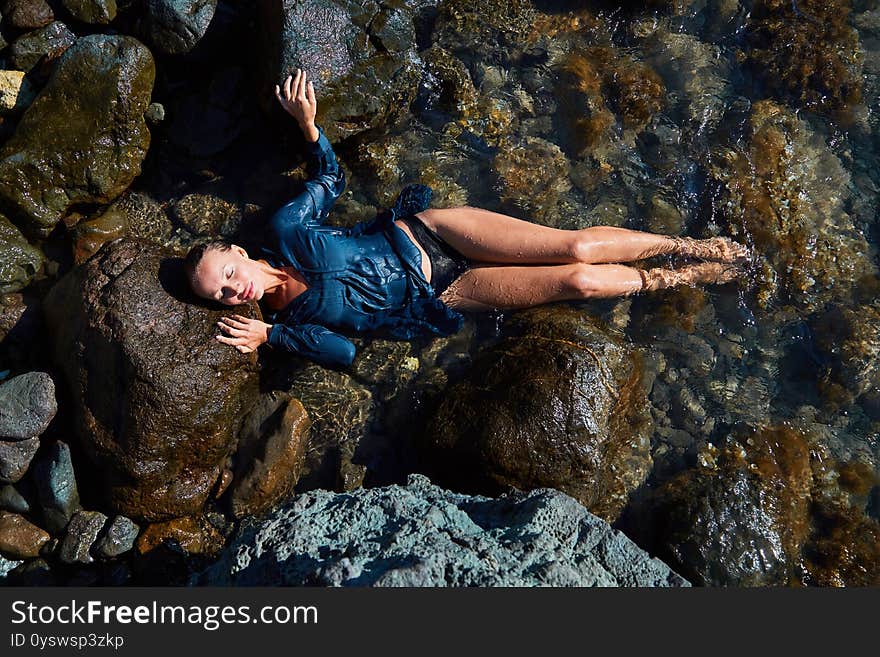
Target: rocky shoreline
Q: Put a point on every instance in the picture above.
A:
(731, 432)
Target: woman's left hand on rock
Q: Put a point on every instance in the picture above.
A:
(244, 334)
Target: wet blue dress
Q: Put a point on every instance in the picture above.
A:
(367, 278)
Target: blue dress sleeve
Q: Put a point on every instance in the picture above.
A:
(324, 185)
(314, 342)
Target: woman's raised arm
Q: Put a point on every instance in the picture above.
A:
(326, 179)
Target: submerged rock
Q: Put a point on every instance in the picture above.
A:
(741, 517)
(157, 399)
(558, 403)
(80, 143)
(340, 410)
(422, 535)
(360, 56)
(786, 191)
(807, 52)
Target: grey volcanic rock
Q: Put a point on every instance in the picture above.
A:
(157, 400)
(81, 534)
(80, 143)
(56, 487)
(27, 405)
(175, 26)
(16, 457)
(118, 538)
(423, 535)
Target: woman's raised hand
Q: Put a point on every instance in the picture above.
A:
(297, 97)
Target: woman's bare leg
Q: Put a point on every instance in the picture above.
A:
(487, 236)
(496, 287)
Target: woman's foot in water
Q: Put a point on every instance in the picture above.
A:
(717, 249)
(661, 278)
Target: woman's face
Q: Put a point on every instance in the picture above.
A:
(229, 277)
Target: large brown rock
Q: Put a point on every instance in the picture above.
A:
(157, 399)
(741, 517)
(558, 403)
(271, 453)
(80, 142)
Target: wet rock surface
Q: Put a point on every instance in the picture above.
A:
(158, 400)
(56, 487)
(27, 405)
(42, 174)
(422, 535)
(556, 404)
(20, 539)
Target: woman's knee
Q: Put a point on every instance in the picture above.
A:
(581, 281)
(583, 245)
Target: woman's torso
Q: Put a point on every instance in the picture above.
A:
(353, 278)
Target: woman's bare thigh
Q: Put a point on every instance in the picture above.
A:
(490, 237)
(498, 287)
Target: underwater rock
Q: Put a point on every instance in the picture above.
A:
(56, 487)
(695, 71)
(41, 46)
(786, 191)
(20, 539)
(206, 214)
(27, 405)
(422, 535)
(806, 52)
(19, 261)
(340, 409)
(848, 337)
(16, 92)
(556, 403)
(740, 517)
(496, 30)
(533, 174)
(80, 143)
(26, 14)
(176, 26)
(157, 399)
(82, 531)
(271, 453)
(16, 457)
(99, 12)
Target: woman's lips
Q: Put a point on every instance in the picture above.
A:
(248, 292)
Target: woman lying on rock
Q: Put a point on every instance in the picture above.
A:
(412, 269)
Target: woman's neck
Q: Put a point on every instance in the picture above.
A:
(286, 284)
